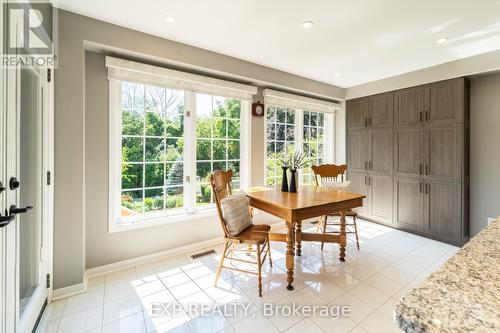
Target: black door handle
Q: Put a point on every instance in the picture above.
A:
(14, 210)
(14, 183)
(5, 220)
(2, 188)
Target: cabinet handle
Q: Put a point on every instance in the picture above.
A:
(366, 180)
(370, 165)
(421, 187)
(420, 116)
(427, 170)
(427, 188)
(369, 181)
(366, 122)
(421, 169)
(427, 115)
(366, 165)
(370, 122)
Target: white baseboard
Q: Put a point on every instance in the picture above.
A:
(100, 270)
(69, 291)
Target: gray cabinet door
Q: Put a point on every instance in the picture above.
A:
(359, 184)
(381, 150)
(358, 150)
(445, 100)
(382, 110)
(380, 192)
(442, 211)
(408, 204)
(443, 151)
(357, 113)
(409, 106)
(408, 150)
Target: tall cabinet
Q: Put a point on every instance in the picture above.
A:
(408, 153)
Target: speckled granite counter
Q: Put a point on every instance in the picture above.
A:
(463, 295)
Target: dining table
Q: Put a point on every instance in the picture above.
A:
(310, 201)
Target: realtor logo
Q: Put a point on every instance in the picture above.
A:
(30, 31)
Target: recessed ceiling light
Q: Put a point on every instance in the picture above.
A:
(307, 24)
(443, 40)
(170, 19)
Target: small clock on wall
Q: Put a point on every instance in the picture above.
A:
(258, 109)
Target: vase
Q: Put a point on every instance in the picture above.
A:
(293, 183)
(284, 180)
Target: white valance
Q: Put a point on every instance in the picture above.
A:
(280, 98)
(126, 70)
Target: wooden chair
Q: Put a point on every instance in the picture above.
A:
(254, 236)
(331, 173)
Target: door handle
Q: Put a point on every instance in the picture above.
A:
(427, 188)
(14, 183)
(420, 116)
(13, 210)
(5, 220)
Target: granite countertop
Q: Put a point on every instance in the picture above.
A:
(463, 295)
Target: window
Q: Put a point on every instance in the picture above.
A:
(162, 147)
(313, 142)
(151, 149)
(290, 129)
(280, 139)
(217, 142)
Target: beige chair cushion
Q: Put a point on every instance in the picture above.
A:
(235, 211)
(338, 185)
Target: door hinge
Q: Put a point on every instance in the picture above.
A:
(48, 280)
(49, 178)
(188, 179)
(49, 75)
(188, 113)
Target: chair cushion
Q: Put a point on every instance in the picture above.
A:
(339, 185)
(235, 211)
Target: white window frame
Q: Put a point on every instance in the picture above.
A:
(190, 211)
(291, 101)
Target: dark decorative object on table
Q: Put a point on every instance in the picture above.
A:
(297, 161)
(284, 180)
(258, 109)
(293, 182)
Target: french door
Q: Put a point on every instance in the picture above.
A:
(25, 196)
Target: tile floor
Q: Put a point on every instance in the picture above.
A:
(389, 264)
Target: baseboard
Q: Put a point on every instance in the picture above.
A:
(100, 270)
(68, 291)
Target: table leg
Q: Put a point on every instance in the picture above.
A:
(342, 241)
(298, 237)
(290, 240)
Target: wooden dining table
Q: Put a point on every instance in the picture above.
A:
(309, 202)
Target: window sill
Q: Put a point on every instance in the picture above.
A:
(163, 220)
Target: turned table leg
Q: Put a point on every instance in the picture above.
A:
(290, 240)
(298, 237)
(342, 241)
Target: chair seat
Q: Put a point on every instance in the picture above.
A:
(349, 213)
(254, 234)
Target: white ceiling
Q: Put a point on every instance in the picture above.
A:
(363, 40)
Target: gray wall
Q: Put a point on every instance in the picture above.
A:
(80, 166)
(485, 151)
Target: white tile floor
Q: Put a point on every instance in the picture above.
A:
(371, 281)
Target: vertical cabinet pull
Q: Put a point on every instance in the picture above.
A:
(366, 180)
(427, 188)
(370, 123)
(366, 165)
(366, 122)
(427, 170)
(370, 165)
(421, 187)
(427, 115)
(420, 116)
(421, 169)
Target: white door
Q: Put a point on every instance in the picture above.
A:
(26, 198)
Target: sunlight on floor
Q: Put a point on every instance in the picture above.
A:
(370, 282)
